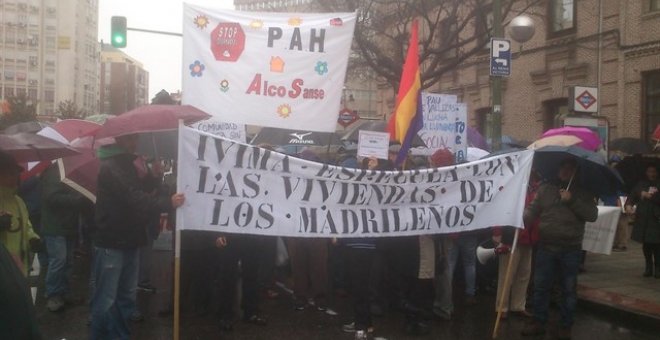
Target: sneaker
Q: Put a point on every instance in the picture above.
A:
(256, 320)
(564, 333)
(350, 328)
(533, 328)
(137, 316)
(361, 335)
(55, 304)
(147, 288)
(299, 305)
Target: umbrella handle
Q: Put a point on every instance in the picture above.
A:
(571, 180)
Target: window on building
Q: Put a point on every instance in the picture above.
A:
(49, 96)
(448, 36)
(554, 111)
(561, 17)
(654, 5)
(32, 93)
(651, 102)
(9, 92)
(481, 120)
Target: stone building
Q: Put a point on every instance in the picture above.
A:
(124, 82)
(609, 44)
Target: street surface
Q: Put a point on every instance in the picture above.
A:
(475, 322)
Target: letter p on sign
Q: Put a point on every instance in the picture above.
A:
(500, 57)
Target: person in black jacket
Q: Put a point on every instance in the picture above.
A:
(123, 210)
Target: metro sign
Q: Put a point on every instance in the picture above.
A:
(347, 117)
(583, 99)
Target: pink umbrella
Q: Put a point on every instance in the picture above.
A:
(150, 118)
(590, 140)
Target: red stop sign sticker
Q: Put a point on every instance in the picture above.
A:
(227, 41)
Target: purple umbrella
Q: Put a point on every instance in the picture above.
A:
(475, 139)
(590, 140)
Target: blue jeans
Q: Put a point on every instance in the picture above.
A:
(60, 259)
(115, 275)
(466, 245)
(551, 265)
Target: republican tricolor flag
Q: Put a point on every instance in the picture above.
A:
(406, 121)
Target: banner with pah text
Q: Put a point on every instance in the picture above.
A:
(237, 188)
(282, 70)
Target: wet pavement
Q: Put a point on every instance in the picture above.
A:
(474, 322)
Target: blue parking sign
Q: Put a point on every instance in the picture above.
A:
(500, 57)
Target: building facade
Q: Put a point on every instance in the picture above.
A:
(124, 83)
(608, 44)
(49, 53)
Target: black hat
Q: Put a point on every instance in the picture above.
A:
(8, 162)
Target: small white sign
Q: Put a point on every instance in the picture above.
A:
(599, 235)
(231, 131)
(373, 144)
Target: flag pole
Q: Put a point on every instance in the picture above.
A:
(177, 255)
(500, 304)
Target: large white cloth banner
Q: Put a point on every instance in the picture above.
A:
(282, 70)
(237, 188)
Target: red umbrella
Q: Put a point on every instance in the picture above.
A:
(27, 147)
(590, 140)
(80, 172)
(150, 118)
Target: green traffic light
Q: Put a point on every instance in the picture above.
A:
(118, 32)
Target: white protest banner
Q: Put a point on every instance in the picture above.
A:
(281, 70)
(445, 125)
(373, 144)
(599, 235)
(231, 131)
(236, 188)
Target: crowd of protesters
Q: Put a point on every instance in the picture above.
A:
(413, 275)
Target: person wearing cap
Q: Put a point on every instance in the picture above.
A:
(563, 208)
(15, 228)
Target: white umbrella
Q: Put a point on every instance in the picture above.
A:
(474, 154)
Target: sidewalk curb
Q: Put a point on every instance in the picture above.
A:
(620, 307)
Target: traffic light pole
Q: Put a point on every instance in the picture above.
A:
(496, 84)
(153, 31)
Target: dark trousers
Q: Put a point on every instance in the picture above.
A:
(551, 265)
(246, 250)
(268, 253)
(652, 255)
(198, 275)
(360, 264)
(309, 263)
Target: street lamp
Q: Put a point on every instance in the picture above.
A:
(521, 29)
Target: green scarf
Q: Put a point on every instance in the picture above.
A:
(111, 150)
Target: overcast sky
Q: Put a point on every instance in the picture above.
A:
(160, 54)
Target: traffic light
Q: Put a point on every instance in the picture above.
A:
(118, 32)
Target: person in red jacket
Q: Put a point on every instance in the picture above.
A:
(515, 292)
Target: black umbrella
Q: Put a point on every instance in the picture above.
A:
(632, 168)
(630, 146)
(27, 127)
(593, 173)
(353, 133)
(281, 137)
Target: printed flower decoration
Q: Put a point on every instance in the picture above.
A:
(201, 21)
(295, 21)
(256, 24)
(196, 69)
(321, 68)
(224, 85)
(284, 110)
